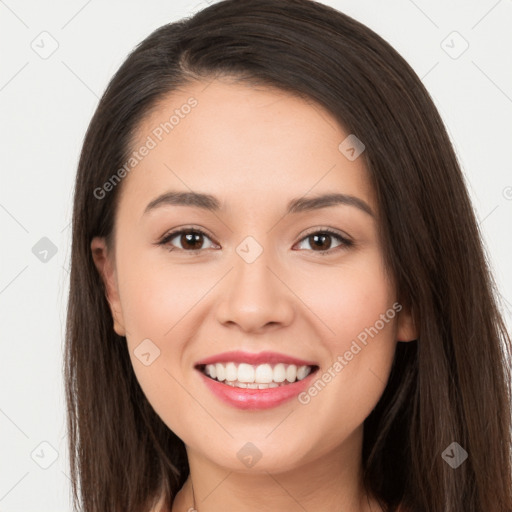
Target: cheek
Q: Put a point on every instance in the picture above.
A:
(155, 306)
(357, 307)
(161, 307)
(156, 296)
(348, 297)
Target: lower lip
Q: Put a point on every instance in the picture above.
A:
(255, 399)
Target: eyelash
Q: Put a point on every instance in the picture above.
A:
(344, 242)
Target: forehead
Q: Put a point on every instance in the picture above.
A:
(248, 144)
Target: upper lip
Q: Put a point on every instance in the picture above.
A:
(239, 356)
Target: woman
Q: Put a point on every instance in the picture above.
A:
(279, 298)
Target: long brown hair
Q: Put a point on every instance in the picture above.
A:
(450, 385)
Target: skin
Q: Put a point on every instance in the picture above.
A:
(254, 149)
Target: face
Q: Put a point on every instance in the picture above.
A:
(259, 270)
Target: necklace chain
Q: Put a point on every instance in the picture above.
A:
(193, 497)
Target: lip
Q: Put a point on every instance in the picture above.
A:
(239, 356)
(256, 399)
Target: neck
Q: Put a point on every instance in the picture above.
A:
(331, 483)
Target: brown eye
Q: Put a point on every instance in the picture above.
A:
(190, 240)
(321, 241)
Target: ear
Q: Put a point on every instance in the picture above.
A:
(105, 265)
(406, 326)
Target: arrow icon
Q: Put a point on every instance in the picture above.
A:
(147, 352)
(45, 45)
(249, 249)
(351, 147)
(44, 250)
(44, 455)
(454, 455)
(454, 45)
(249, 455)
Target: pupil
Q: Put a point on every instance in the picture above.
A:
(193, 239)
(323, 237)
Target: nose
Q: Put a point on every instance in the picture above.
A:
(255, 296)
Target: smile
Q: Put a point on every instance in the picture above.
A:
(253, 381)
(263, 376)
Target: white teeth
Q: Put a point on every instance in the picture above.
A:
(231, 372)
(279, 372)
(245, 373)
(262, 386)
(302, 372)
(221, 372)
(262, 376)
(291, 373)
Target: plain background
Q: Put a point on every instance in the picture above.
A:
(47, 102)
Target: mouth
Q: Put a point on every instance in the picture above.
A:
(262, 376)
(257, 386)
(255, 381)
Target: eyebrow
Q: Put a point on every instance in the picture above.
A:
(297, 205)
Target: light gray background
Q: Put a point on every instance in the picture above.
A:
(46, 106)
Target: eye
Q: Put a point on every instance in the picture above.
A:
(190, 240)
(320, 241)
